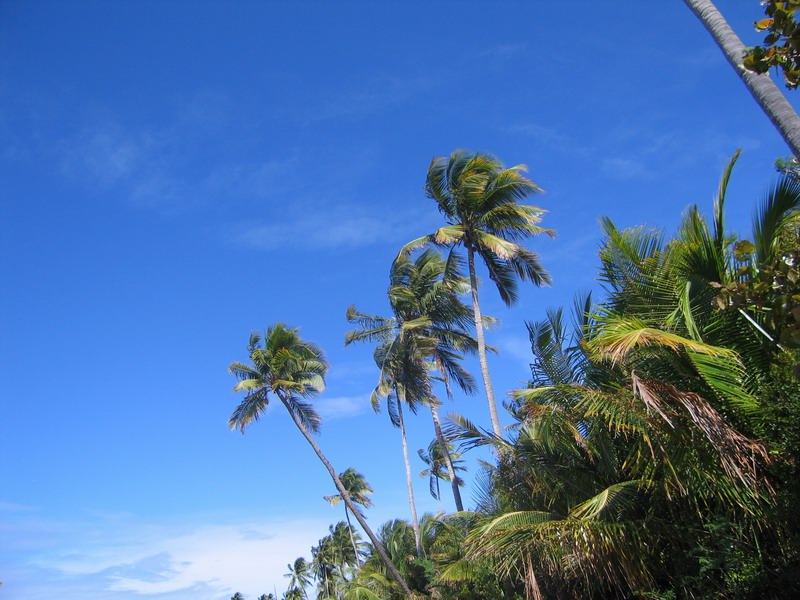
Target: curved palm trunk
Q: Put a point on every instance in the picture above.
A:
(761, 87)
(352, 539)
(349, 503)
(437, 426)
(476, 309)
(414, 520)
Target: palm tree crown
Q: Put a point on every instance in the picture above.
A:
(285, 365)
(478, 198)
(357, 487)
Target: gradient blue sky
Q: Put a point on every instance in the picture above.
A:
(175, 175)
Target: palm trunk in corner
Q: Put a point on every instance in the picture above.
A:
(437, 426)
(349, 503)
(762, 88)
(476, 309)
(409, 481)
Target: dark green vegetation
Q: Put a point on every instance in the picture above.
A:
(781, 48)
(654, 453)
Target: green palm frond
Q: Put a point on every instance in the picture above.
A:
(620, 336)
(608, 503)
(470, 435)
(305, 412)
(777, 209)
(249, 410)
(503, 276)
(719, 201)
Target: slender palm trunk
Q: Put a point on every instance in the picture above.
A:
(352, 539)
(409, 481)
(437, 426)
(348, 502)
(761, 87)
(476, 309)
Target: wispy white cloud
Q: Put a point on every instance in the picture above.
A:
(14, 507)
(518, 348)
(127, 558)
(626, 168)
(565, 251)
(341, 407)
(371, 96)
(341, 226)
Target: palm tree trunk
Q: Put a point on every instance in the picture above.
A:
(437, 426)
(762, 88)
(352, 539)
(348, 502)
(476, 309)
(414, 520)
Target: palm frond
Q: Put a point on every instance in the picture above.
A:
(775, 211)
(608, 503)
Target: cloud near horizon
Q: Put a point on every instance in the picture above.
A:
(128, 558)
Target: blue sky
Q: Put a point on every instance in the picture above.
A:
(176, 175)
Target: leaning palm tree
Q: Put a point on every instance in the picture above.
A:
(761, 87)
(478, 198)
(293, 370)
(359, 491)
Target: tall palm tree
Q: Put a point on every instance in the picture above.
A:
(294, 371)
(403, 380)
(425, 292)
(426, 333)
(323, 565)
(761, 87)
(359, 491)
(299, 574)
(478, 198)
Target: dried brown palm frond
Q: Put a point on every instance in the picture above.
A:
(740, 457)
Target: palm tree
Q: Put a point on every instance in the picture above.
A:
(403, 379)
(323, 565)
(293, 370)
(438, 468)
(760, 86)
(359, 491)
(423, 294)
(478, 198)
(299, 574)
(426, 332)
